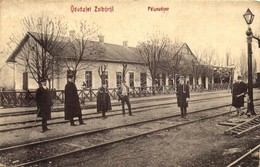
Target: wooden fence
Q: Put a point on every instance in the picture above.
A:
(27, 98)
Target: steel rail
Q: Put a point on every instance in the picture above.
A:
(131, 137)
(243, 156)
(96, 117)
(113, 111)
(105, 129)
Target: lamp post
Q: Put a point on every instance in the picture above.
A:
(249, 17)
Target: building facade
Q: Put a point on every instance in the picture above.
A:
(114, 55)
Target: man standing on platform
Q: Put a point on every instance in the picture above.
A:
(182, 93)
(123, 94)
(72, 105)
(44, 103)
(238, 93)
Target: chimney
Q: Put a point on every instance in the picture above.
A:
(72, 35)
(101, 38)
(125, 43)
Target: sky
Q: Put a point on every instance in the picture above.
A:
(209, 25)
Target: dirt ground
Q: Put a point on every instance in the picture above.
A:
(197, 145)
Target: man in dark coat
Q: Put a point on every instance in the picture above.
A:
(44, 104)
(72, 105)
(182, 93)
(123, 95)
(238, 93)
(103, 100)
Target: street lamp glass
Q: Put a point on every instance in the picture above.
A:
(249, 17)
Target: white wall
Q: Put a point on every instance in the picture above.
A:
(7, 77)
(112, 68)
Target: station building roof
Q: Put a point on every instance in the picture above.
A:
(112, 52)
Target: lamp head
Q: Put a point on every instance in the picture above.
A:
(249, 17)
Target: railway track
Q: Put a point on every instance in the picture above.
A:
(86, 141)
(97, 115)
(91, 106)
(248, 159)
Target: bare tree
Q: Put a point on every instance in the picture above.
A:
(125, 69)
(243, 65)
(195, 69)
(217, 60)
(209, 62)
(102, 73)
(172, 63)
(152, 51)
(82, 46)
(42, 46)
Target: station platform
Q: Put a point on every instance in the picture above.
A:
(114, 102)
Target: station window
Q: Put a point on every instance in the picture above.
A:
(131, 80)
(88, 78)
(118, 79)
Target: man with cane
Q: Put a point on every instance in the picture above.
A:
(44, 104)
(183, 94)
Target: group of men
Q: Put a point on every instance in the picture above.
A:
(239, 92)
(104, 102)
(72, 104)
(72, 107)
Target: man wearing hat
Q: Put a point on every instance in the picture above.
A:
(44, 103)
(182, 93)
(238, 93)
(72, 105)
(103, 100)
(123, 95)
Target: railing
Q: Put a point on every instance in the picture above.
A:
(27, 98)
(213, 87)
(196, 88)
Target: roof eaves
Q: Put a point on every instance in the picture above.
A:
(178, 51)
(190, 51)
(116, 61)
(36, 39)
(11, 58)
(184, 44)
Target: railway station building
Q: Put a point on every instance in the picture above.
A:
(137, 74)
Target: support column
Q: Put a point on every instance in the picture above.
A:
(14, 83)
(207, 83)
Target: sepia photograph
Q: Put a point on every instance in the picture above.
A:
(129, 83)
